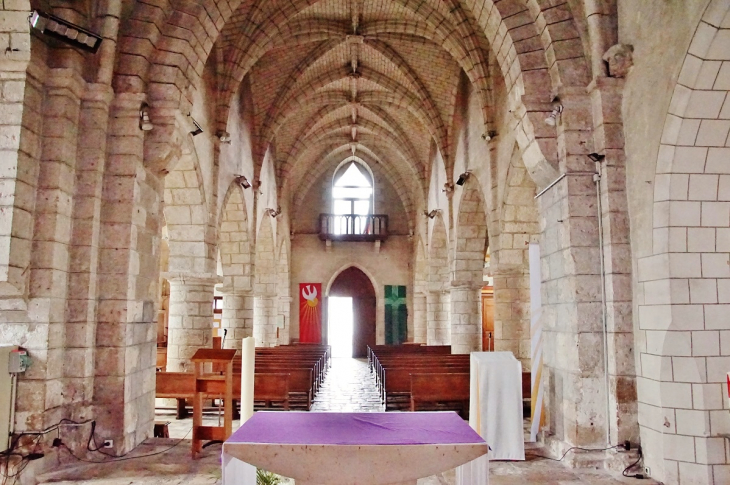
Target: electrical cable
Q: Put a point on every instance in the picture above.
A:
(636, 475)
(122, 457)
(574, 448)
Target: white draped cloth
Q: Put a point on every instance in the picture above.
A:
(495, 407)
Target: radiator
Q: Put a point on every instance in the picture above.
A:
(7, 395)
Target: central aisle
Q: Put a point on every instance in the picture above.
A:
(348, 387)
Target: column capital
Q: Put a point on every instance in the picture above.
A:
(192, 278)
(465, 285)
(231, 290)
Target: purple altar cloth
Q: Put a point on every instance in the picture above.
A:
(300, 428)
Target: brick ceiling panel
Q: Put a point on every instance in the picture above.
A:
(299, 56)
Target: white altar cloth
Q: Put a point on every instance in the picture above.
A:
(495, 407)
(355, 448)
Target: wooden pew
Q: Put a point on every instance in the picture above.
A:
(397, 381)
(441, 392)
(272, 389)
(409, 362)
(451, 392)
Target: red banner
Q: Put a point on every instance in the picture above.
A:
(310, 312)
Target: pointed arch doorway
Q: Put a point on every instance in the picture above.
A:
(352, 284)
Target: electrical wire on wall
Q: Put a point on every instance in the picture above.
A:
(24, 459)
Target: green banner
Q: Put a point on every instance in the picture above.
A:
(396, 315)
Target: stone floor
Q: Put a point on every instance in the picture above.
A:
(348, 387)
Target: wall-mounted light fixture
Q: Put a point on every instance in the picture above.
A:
(448, 188)
(431, 214)
(144, 118)
(243, 181)
(65, 31)
(552, 118)
(596, 157)
(196, 129)
(489, 135)
(224, 137)
(463, 178)
(273, 212)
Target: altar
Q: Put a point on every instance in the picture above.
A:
(355, 448)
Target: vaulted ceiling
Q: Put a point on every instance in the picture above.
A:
(376, 76)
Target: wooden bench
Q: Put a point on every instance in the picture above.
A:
(271, 389)
(441, 392)
(397, 381)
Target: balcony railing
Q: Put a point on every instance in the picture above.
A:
(350, 227)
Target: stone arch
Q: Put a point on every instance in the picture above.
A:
(379, 296)
(437, 298)
(518, 227)
(234, 246)
(420, 290)
(265, 286)
(187, 216)
(283, 283)
(15, 102)
(328, 159)
(686, 278)
(470, 234)
(234, 243)
(470, 242)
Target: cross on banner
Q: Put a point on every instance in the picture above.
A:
(396, 315)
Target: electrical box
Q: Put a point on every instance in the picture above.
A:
(19, 361)
(7, 395)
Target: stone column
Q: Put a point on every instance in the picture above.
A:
(438, 329)
(420, 318)
(191, 317)
(237, 317)
(285, 311)
(264, 320)
(466, 318)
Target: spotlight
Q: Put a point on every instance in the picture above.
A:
(144, 118)
(65, 31)
(596, 157)
(224, 137)
(273, 212)
(462, 178)
(197, 129)
(243, 181)
(431, 214)
(552, 119)
(489, 135)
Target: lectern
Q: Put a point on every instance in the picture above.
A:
(207, 384)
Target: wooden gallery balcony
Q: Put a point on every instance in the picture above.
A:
(347, 227)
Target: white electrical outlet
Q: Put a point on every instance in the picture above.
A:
(108, 444)
(647, 471)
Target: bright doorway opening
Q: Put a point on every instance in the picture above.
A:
(339, 326)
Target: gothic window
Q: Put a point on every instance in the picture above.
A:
(352, 198)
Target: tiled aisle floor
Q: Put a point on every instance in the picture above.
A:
(348, 387)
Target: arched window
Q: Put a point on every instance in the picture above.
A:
(352, 198)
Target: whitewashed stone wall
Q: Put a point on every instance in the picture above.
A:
(685, 284)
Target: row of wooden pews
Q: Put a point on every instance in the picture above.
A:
(285, 377)
(421, 378)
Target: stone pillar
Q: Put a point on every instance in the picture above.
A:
(420, 318)
(285, 311)
(466, 318)
(191, 317)
(438, 328)
(237, 317)
(264, 320)
(606, 96)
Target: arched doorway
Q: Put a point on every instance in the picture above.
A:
(353, 283)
